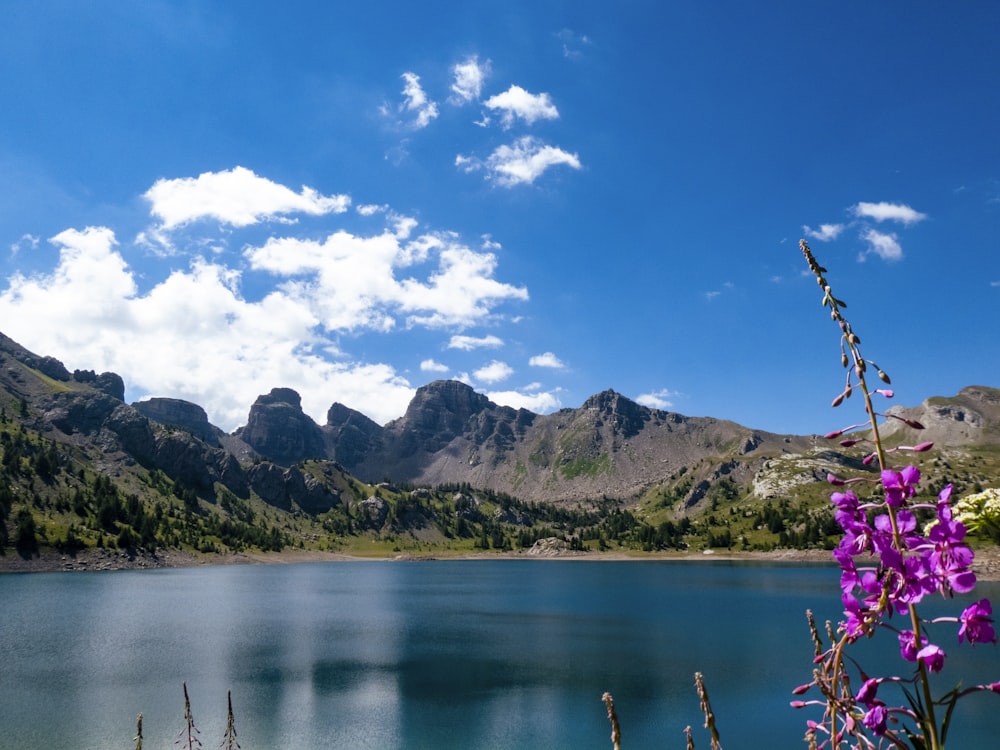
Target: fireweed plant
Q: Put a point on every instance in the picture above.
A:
(888, 565)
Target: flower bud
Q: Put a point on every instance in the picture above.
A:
(883, 377)
(843, 359)
(849, 443)
(914, 424)
(835, 480)
(922, 447)
(884, 392)
(834, 434)
(839, 400)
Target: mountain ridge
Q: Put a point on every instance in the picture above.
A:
(611, 468)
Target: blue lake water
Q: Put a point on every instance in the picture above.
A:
(483, 654)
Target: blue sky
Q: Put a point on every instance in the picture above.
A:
(542, 199)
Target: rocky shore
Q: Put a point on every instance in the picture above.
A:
(987, 564)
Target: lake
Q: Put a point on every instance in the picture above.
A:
(475, 654)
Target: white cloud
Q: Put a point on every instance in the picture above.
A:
(429, 365)
(183, 327)
(538, 402)
(469, 77)
(572, 43)
(237, 197)
(884, 211)
(516, 102)
(825, 233)
(191, 336)
(350, 281)
(27, 241)
(468, 343)
(416, 102)
(660, 399)
(886, 246)
(548, 359)
(521, 162)
(494, 372)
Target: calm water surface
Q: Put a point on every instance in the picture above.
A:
(449, 654)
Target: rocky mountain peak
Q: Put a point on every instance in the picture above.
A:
(624, 414)
(444, 406)
(278, 429)
(176, 412)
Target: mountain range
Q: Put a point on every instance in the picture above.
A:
(610, 449)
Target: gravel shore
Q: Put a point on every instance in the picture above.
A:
(987, 564)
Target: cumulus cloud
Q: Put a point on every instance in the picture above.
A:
(825, 233)
(219, 333)
(548, 359)
(519, 163)
(516, 102)
(885, 246)
(190, 336)
(661, 399)
(350, 281)
(236, 197)
(469, 77)
(539, 402)
(884, 211)
(429, 365)
(468, 343)
(415, 102)
(494, 372)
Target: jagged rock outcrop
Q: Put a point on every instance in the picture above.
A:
(280, 431)
(281, 487)
(351, 435)
(175, 412)
(110, 383)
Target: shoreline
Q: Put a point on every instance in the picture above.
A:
(986, 565)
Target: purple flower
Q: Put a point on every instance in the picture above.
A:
(867, 692)
(908, 646)
(932, 657)
(900, 485)
(854, 625)
(875, 719)
(977, 625)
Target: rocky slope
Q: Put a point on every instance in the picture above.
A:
(609, 447)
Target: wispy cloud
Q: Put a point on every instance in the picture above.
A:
(469, 77)
(825, 233)
(884, 211)
(468, 343)
(520, 163)
(236, 197)
(573, 43)
(416, 102)
(26, 242)
(885, 246)
(661, 399)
